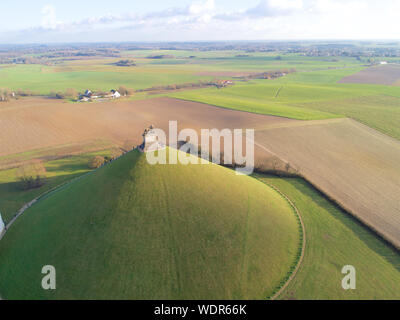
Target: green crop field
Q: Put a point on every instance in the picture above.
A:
(132, 230)
(101, 74)
(381, 112)
(310, 96)
(44, 79)
(335, 239)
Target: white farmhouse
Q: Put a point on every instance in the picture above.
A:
(115, 94)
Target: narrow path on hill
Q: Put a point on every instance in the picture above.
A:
(303, 245)
(38, 199)
(41, 197)
(44, 195)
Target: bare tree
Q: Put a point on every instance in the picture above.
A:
(71, 93)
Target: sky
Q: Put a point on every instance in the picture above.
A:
(51, 21)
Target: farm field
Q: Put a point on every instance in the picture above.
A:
(43, 123)
(53, 153)
(369, 160)
(381, 112)
(284, 137)
(200, 150)
(310, 96)
(386, 74)
(352, 163)
(102, 74)
(150, 232)
(328, 228)
(203, 232)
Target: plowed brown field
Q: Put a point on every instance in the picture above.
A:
(42, 123)
(385, 74)
(354, 164)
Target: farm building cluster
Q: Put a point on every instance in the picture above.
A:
(91, 96)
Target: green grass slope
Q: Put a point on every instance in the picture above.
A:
(335, 239)
(135, 231)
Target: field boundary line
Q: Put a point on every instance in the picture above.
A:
(228, 108)
(303, 244)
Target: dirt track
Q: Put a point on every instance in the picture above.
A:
(355, 165)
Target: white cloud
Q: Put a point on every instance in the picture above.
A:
(286, 4)
(330, 6)
(272, 8)
(49, 20)
(202, 7)
(203, 19)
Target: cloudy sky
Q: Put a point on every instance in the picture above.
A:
(40, 21)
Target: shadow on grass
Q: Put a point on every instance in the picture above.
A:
(70, 164)
(12, 198)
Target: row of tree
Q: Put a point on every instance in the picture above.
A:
(73, 94)
(7, 94)
(98, 161)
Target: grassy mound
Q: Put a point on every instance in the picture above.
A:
(135, 231)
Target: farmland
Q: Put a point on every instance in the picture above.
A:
(310, 96)
(39, 123)
(334, 119)
(102, 74)
(353, 164)
(339, 166)
(386, 74)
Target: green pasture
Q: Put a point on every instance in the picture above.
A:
(310, 96)
(242, 60)
(44, 79)
(335, 239)
(102, 75)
